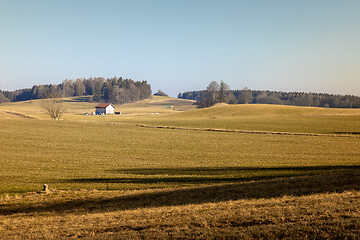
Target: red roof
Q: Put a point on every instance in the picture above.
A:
(103, 105)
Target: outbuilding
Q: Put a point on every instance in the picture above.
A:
(104, 108)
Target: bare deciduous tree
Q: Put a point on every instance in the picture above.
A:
(3, 98)
(160, 93)
(223, 92)
(54, 107)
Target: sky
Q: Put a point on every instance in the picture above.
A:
(183, 45)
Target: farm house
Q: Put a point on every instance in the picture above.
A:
(104, 108)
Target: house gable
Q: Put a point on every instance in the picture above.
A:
(104, 108)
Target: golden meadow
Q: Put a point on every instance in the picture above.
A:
(114, 152)
(234, 152)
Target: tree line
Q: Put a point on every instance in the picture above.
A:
(217, 93)
(115, 90)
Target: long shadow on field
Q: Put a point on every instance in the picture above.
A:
(188, 180)
(78, 99)
(171, 102)
(300, 185)
(227, 171)
(201, 175)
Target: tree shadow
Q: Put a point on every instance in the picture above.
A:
(174, 102)
(350, 133)
(336, 181)
(79, 99)
(211, 171)
(191, 180)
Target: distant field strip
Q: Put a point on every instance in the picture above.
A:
(250, 132)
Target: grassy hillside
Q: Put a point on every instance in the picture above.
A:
(266, 118)
(77, 106)
(213, 184)
(247, 117)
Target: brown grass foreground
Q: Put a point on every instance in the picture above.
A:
(319, 206)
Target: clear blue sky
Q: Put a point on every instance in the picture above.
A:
(183, 45)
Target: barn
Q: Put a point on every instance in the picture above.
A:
(104, 108)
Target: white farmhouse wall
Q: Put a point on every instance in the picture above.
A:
(104, 109)
(110, 110)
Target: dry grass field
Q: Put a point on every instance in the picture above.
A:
(230, 171)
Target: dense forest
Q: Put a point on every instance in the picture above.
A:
(115, 90)
(216, 93)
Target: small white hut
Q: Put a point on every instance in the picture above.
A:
(104, 108)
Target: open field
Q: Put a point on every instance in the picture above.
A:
(78, 106)
(214, 184)
(71, 154)
(258, 117)
(248, 117)
(246, 210)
